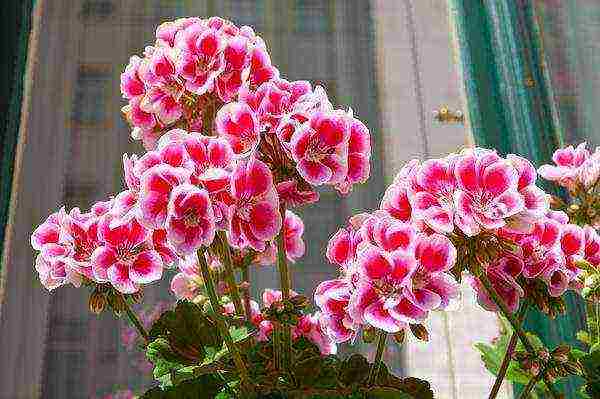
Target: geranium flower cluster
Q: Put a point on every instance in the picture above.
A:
(253, 143)
(395, 263)
(392, 275)
(573, 167)
(194, 66)
(308, 326)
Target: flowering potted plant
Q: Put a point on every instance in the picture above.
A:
(231, 149)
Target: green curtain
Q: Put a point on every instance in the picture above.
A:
(511, 108)
(16, 25)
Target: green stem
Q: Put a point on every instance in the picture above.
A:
(378, 359)
(516, 325)
(136, 322)
(597, 316)
(531, 384)
(229, 274)
(512, 344)
(284, 275)
(246, 293)
(221, 324)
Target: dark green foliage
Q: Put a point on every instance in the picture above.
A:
(190, 361)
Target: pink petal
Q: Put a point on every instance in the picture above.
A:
(373, 263)
(118, 275)
(436, 253)
(377, 316)
(146, 268)
(499, 177)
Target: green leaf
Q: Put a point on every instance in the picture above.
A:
(387, 393)
(205, 387)
(583, 336)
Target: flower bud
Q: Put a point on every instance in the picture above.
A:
(137, 297)
(561, 353)
(117, 303)
(97, 302)
(399, 337)
(572, 368)
(369, 335)
(419, 331)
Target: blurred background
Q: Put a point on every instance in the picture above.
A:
(394, 62)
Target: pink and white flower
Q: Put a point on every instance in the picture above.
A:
(359, 154)
(568, 162)
(403, 276)
(293, 228)
(503, 276)
(156, 186)
(190, 222)
(237, 123)
(124, 257)
(320, 148)
(254, 215)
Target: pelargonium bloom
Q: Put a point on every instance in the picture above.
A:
(155, 192)
(476, 190)
(254, 215)
(190, 222)
(293, 228)
(320, 148)
(403, 276)
(359, 154)
(503, 275)
(311, 327)
(52, 263)
(124, 257)
(237, 123)
(568, 162)
(187, 282)
(333, 298)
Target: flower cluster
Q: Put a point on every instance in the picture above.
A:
(308, 326)
(573, 167)
(392, 276)
(194, 66)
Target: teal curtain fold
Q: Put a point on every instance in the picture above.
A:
(511, 108)
(16, 26)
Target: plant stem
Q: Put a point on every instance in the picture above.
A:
(229, 274)
(516, 325)
(378, 358)
(136, 322)
(597, 317)
(246, 293)
(284, 275)
(512, 344)
(221, 324)
(531, 384)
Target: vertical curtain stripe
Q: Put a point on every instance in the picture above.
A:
(16, 24)
(511, 107)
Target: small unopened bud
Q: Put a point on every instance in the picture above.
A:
(520, 355)
(572, 368)
(137, 297)
(117, 303)
(399, 337)
(550, 375)
(419, 331)
(534, 367)
(561, 353)
(97, 302)
(369, 335)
